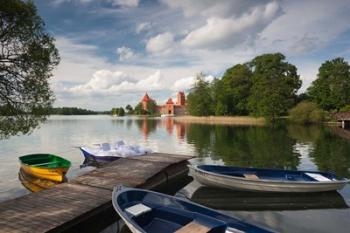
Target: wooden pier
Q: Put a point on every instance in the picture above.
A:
(63, 207)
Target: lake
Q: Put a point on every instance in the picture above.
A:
(282, 146)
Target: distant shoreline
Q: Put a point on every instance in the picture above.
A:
(223, 120)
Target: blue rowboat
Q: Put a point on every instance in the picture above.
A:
(146, 211)
(266, 180)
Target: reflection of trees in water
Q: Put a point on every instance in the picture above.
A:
(245, 146)
(129, 123)
(304, 134)
(331, 153)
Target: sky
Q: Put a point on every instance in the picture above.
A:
(113, 51)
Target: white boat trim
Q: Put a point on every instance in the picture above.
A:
(241, 183)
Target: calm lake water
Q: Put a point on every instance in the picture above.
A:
(283, 146)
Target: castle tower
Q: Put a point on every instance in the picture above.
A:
(180, 98)
(145, 101)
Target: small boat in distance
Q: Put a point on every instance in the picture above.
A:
(107, 152)
(266, 180)
(147, 211)
(46, 166)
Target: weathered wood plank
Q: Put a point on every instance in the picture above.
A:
(66, 204)
(50, 208)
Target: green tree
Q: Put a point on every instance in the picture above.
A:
(331, 89)
(275, 83)
(306, 112)
(200, 101)
(235, 90)
(129, 109)
(27, 58)
(152, 107)
(138, 110)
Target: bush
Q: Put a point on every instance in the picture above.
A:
(306, 112)
(346, 108)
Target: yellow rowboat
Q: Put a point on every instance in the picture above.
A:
(46, 166)
(33, 183)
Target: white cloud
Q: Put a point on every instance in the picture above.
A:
(188, 82)
(142, 27)
(162, 43)
(222, 8)
(124, 3)
(305, 26)
(116, 83)
(126, 54)
(220, 33)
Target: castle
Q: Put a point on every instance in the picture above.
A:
(169, 108)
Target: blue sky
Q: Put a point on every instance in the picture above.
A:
(113, 51)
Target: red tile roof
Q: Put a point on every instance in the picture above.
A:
(146, 98)
(170, 101)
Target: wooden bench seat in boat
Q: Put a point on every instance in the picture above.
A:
(251, 176)
(193, 227)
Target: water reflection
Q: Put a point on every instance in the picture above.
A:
(33, 183)
(224, 199)
(286, 146)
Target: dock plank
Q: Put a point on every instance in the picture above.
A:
(66, 204)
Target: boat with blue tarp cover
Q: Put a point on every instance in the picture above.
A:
(267, 180)
(147, 211)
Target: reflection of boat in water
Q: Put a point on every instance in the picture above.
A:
(266, 180)
(224, 199)
(34, 184)
(45, 166)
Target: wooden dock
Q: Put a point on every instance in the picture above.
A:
(63, 207)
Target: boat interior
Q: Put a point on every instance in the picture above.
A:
(270, 174)
(161, 214)
(44, 160)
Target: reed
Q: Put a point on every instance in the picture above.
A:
(224, 120)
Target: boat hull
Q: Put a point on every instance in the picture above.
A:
(90, 156)
(147, 211)
(211, 179)
(54, 174)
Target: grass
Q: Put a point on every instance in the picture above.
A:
(224, 120)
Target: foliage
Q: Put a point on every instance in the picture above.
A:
(129, 109)
(200, 101)
(138, 110)
(306, 112)
(152, 107)
(275, 83)
(72, 111)
(346, 108)
(331, 89)
(118, 111)
(233, 90)
(27, 58)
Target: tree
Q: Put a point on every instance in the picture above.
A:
(275, 83)
(129, 109)
(306, 112)
(200, 101)
(331, 89)
(27, 58)
(235, 90)
(138, 110)
(118, 111)
(152, 107)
